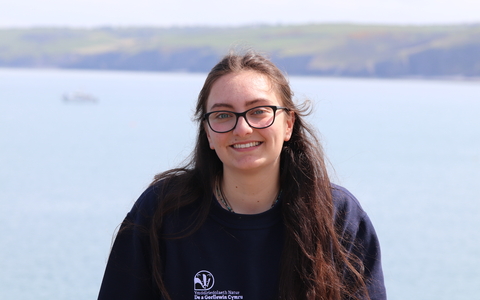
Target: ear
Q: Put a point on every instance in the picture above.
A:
(289, 125)
(207, 131)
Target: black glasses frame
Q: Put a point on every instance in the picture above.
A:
(244, 114)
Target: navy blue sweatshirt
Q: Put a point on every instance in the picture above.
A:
(232, 256)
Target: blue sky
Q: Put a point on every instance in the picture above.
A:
(92, 13)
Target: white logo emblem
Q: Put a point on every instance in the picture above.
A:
(203, 281)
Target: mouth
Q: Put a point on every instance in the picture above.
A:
(247, 145)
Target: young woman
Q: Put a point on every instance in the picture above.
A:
(253, 215)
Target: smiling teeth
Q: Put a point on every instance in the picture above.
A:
(252, 144)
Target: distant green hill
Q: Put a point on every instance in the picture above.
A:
(322, 49)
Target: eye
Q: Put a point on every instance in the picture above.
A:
(222, 115)
(260, 111)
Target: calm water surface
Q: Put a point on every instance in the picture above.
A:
(409, 150)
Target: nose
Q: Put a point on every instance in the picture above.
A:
(242, 128)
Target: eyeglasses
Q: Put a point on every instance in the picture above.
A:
(258, 117)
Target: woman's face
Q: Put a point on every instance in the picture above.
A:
(245, 148)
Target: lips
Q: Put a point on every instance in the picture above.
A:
(247, 145)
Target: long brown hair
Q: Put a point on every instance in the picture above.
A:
(314, 263)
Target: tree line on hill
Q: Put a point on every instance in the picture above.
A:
(315, 49)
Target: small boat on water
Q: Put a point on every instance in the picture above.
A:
(79, 97)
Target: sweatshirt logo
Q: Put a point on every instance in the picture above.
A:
(203, 281)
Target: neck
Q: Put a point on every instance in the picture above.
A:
(251, 193)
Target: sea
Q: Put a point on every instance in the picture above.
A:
(408, 149)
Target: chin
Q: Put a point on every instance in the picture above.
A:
(252, 165)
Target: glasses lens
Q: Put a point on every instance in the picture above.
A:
(260, 117)
(222, 120)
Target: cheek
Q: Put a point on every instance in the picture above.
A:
(209, 137)
(283, 132)
(211, 143)
(215, 140)
(276, 135)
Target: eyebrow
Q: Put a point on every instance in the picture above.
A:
(248, 103)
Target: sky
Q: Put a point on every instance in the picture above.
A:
(95, 13)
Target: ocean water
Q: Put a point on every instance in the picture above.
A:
(69, 172)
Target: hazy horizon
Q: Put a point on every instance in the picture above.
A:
(232, 26)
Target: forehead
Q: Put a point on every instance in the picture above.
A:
(242, 89)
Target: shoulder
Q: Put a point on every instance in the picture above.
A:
(358, 236)
(351, 221)
(144, 208)
(165, 194)
(345, 204)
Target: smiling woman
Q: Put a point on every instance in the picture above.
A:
(253, 214)
(250, 154)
